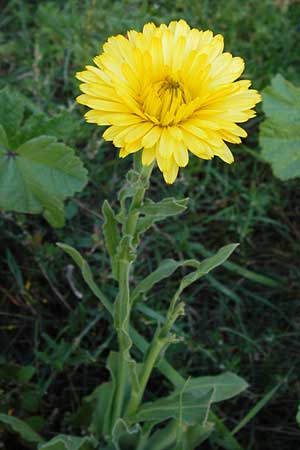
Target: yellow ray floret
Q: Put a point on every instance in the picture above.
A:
(168, 91)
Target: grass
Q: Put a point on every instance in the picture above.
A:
(244, 317)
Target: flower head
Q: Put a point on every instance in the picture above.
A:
(168, 91)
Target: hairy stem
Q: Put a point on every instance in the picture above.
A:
(123, 300)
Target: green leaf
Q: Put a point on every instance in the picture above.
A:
(111, 235)
(193, 436)
(39, 176)
(64, 442)
(182, 406)
(280, 131)
(20, 427)
(154, 212)
(100, 401)
(205, 267)
(164, 438)
(165, 208)
(124, 436)
(166, 268)
(225, 386)
(86, 274)
(11, 111)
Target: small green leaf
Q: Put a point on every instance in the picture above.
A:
(166, 268)
(206, 266)
(86, 274)
(154, 212)
(280, 131)
(64, 442)
(20, 427)
(111, 235)
(39, 176)
(165, 208)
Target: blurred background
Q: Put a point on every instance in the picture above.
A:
(244, 318)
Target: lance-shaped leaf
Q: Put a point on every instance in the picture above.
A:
(166, 268)
(111, 235)
(21, 428)
(65, 442)
(280, 131)
(152, 212)
(38, 176)
(205, 267)
(86, 274)
(181, 406)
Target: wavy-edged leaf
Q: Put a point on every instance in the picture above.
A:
(18, 426)
(65, 442)
(39, 176)
(280, 132)
(166, 268)
(152, 212)
(205, 267)
(124, 436)
(86, 274)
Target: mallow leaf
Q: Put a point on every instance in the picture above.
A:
(280, 132)
(38, 176)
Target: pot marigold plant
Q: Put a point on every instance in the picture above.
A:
(162, 92)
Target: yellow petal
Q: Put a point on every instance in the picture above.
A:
(148, 156)
(171, 175)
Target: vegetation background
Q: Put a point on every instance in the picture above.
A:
(244, 318)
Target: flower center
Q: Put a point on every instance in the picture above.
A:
(163, 99)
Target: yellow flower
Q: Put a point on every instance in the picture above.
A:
(167, 91)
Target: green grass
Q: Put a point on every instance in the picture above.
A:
(236, 319)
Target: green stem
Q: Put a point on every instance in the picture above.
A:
(153, 354)
(123, 308)
(123, 301)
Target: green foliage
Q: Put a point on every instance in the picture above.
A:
(280, 132)
(63, 442)
(38, 174)
(21, 428)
